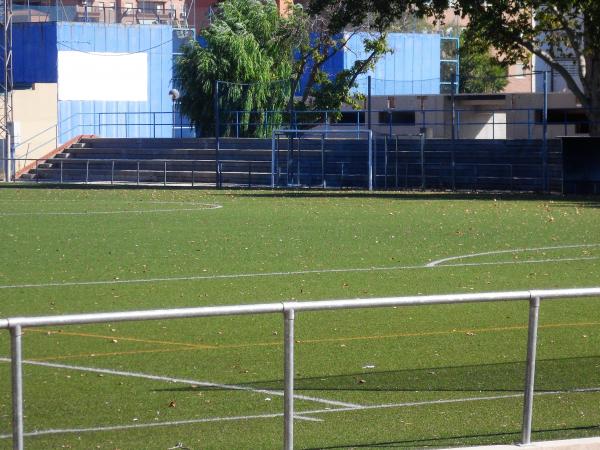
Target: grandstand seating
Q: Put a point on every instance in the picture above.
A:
(460, 164)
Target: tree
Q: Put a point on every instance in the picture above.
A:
(248, 49)
(259, 59)
(554, 31)
(480, 72)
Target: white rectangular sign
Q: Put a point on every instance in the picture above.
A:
(102, 76)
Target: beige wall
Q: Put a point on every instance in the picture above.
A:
(504, 116)
(35, 116)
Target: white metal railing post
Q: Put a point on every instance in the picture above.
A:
(288, 369)
(534, 308)
(17, 387)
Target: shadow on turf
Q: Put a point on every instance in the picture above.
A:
(588, 201)
(473, 439)
(551, 375)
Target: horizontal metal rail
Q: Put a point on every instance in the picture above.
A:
(289, 310)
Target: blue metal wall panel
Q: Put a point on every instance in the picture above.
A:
(412, 68)
(112, 118)
(34, 53)
(332, 67)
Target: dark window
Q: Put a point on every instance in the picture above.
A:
(352, 117)
(397, 117)
(565, 116)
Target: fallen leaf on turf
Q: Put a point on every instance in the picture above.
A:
(172, 404)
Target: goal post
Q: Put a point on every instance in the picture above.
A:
(322, 158)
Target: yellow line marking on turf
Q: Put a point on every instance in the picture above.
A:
(188, 347)
(94, 355)
(122, 338)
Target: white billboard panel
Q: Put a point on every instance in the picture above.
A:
(102, 76)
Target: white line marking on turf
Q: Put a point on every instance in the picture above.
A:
(184, 381)
(514, 250)
(201, 207)
(298, 415)
(431, 265)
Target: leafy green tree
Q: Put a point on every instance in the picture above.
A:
(248, 49)
(554, 31)
(480, 72)
(259, 58)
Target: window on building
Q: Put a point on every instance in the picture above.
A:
(352, 117)
(397, 117)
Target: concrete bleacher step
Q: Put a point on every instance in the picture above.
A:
(460, 164)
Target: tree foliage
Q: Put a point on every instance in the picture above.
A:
(246, 47)
(480, 72)
(555, 31)
(259, 59)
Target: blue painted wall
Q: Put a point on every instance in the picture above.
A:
(34, 53)
(413, 66)
(113, 118)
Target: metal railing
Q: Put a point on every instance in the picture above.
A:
(116, 170)
(289, 310)
(501, 123)
(102, 14)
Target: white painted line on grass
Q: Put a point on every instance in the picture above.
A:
(514, 250)
(301, 415)
(431, 265)
(184, 381)
(91, 213)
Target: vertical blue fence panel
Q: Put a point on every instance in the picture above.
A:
(151, 118)
(412, 68)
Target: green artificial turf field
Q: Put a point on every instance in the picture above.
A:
(395, 377)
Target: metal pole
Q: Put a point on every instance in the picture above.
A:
(138, 173)
(370, 137)
(17, 386)
(217, 132)
(87, 171)
(165, 175)
(323, 161)
(453, 102)
(61, 171)
(534, 308)
(369, 122)
(273, 159)
(288, 369)
(423, 160)
(545, 136)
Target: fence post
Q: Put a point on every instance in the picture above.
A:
(61, 171)
(165, 175)
(87, 171)
(370, 137)
(288, 369)
(138, 173)
(17, 386)
(534, 308)
(545, 136)
(112, 172)
(323, 161)
(369, 121)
